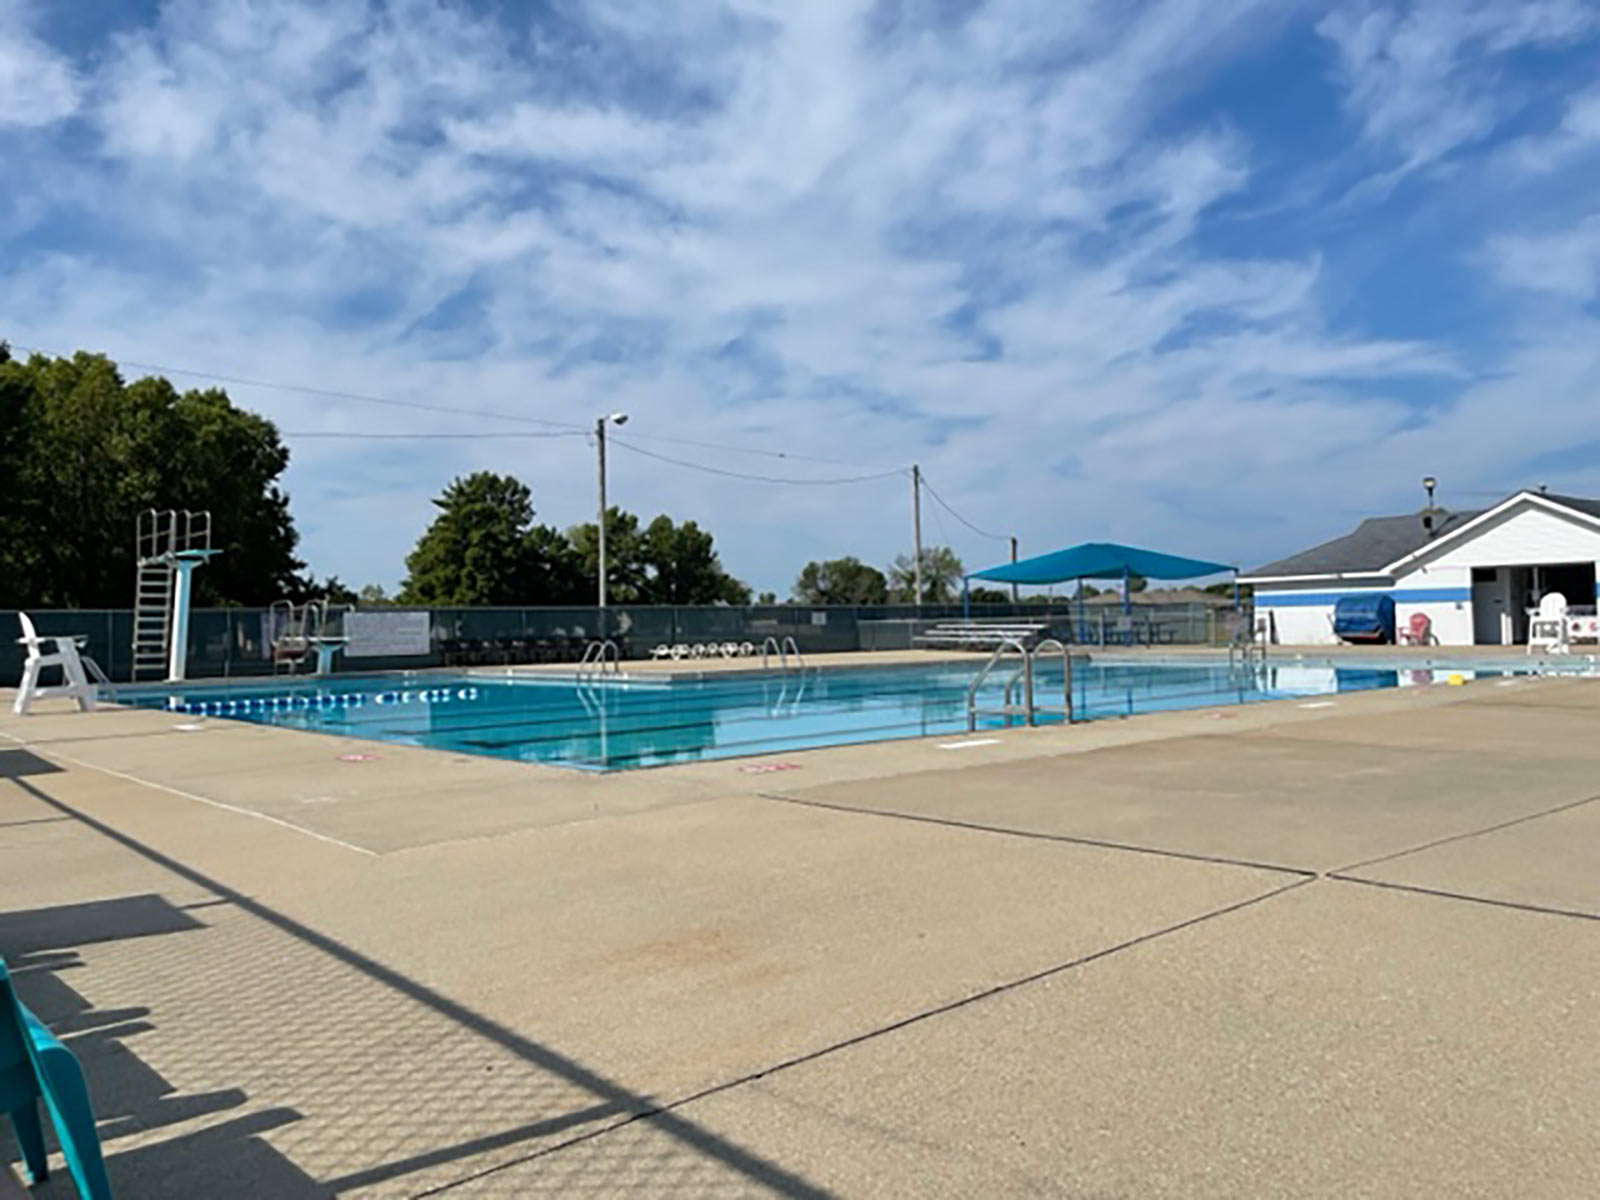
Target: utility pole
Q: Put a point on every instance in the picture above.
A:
(1015, 598)
(916, 533)
(616, 418)
(600, 525)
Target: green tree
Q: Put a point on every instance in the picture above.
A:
(683, 568)
(83, 453)
(767, 598)
(664, 563)
(483, 548)
(941, 577)
(989, 595)
(627, 576)
(373, 595)
(845, 580)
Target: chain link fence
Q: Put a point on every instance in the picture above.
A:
(227, 642)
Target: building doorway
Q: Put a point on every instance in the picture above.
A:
(1502, 596)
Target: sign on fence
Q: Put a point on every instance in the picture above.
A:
(377, 634)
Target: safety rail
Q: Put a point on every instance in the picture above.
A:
(159, 533)
(310, 630)
(1021, 681)
(1066, 674)
(772, 646)
(1246, 653)
(1024, 671)
(769, 647)
(600, 657)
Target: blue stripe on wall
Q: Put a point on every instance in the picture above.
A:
(1401, 596)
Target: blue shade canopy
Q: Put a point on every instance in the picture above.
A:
(1100, 560)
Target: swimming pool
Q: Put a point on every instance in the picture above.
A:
(620, 724)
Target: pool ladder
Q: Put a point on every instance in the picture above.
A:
(1245, 653)
(783, 650)
(600, 657)
(1020, 684)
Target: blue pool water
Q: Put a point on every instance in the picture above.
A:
(622, 724)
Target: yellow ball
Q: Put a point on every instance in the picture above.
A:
(1455, 681)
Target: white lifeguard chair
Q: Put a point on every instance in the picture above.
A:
(68, 656)
(169, 545)
(1547, 625)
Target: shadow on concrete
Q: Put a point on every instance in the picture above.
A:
(19, 764)
(611, 1098)
(129, 1096)
(64, 926)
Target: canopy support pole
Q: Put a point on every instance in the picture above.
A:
(966, 597)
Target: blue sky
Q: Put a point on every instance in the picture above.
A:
(1216, 277)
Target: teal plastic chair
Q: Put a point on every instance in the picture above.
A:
(35, 1066)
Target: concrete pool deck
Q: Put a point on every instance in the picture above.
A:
(1269, 950)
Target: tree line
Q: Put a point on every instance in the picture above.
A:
(83, 452)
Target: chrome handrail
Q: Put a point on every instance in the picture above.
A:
(595, 660)
(1066, 672)
(790, 644)
(1009, 643)
(776, 648)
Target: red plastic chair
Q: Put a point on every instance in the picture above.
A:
(1420, 630)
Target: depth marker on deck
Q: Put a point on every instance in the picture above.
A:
(968, 744)
(1320, 704)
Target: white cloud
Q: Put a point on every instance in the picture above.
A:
(1575, 137)
(978, 245)
(37, 85)
(1564, 264)
(1424, 81)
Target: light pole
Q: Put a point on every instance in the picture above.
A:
(616, 418)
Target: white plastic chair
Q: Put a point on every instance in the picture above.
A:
(1547, 625)
(662, 651)
(66, 656)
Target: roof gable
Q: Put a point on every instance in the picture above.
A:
(1367, 549)
(1379, 543)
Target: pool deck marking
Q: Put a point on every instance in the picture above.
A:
(1320, 704)
(51, 752)
(969, 743)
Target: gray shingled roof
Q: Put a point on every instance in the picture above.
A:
(1379, 541)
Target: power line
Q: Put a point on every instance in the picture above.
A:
(785, 454)
(366, 398)
(999, 537)
(682, 462)
(430, 436)
(332, 393)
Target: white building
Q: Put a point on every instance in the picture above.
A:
(1474, 574)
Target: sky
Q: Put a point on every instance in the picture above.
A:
(1218, 277)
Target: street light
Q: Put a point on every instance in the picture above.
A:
(616, 418)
